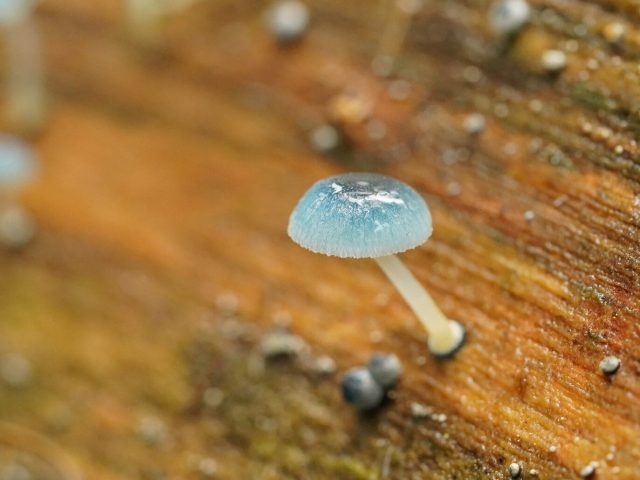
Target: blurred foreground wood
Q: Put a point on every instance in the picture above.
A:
(166, 188)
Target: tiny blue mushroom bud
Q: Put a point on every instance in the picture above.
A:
(364, 215)
(360, 389)
(508, 16)
(385, 369)
(18, 164)
(287, 20)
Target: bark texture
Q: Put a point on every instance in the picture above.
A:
(163, 261)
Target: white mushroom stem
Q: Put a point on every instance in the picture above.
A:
(25, 79)
(397, 24)
(444, 335)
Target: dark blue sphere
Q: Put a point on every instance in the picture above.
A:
(361, 390)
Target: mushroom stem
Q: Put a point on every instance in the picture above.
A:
(445, 336)
(397, 24)
(24, 84)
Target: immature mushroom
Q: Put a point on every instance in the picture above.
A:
(364, 215)
(18, 166)
(25, 79)
(385, 369)
(360, 389)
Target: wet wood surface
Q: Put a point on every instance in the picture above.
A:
(162, 259)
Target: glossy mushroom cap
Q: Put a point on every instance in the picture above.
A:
(14, 11)
(17, 162)
(360, 215)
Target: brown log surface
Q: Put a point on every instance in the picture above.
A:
(166, 187)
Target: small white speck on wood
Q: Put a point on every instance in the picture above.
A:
(554, 60)
(610, 365)
(474, 123)
(15, 370)
(613, 32)
(324, 138)
(227, 303)
(589, 470)
(208, 467)
(419, 410)
(515, 469)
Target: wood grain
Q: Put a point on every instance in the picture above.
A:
(168, 181)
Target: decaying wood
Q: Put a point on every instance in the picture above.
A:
(167, 183)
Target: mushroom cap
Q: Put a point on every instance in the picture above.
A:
(17, 162)
(385, 369)
(360, 389)
(360, 215)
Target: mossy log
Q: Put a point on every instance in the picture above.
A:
(162, 259)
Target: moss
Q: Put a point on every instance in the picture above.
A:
(590, 97)
(294, 422)
(278, 419)
(348, 467)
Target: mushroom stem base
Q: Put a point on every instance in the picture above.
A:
(445, 336)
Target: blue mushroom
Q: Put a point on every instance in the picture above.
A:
(18, 164)
(365, 215)
(361, 390)
(385, 369)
